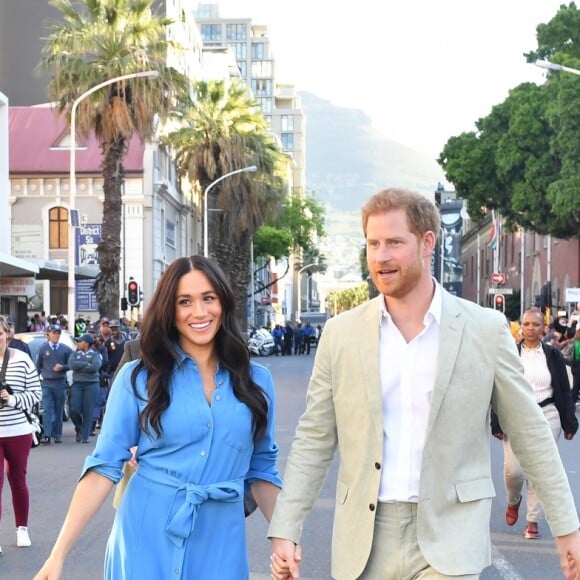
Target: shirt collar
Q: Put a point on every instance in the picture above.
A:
(433, 313)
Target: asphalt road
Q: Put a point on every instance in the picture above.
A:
(53, 472)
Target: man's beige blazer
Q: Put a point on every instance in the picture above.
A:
(477, 367)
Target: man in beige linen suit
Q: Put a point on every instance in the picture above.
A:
(402, 386)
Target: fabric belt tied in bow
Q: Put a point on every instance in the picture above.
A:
(181, 524)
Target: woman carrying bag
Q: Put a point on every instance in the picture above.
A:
(19, 392)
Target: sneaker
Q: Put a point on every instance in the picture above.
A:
(532, 532)
(22, 537)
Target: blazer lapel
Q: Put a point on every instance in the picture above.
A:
(451, 331)
(368, 348)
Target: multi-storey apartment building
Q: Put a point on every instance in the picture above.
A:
(252, 48)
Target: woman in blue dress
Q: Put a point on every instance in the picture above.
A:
(202, 417)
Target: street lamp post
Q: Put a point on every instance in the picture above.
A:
(73, 184)
(249, 169)
(298, 296)
(553, 66)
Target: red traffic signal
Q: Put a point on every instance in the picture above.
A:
(133, 293)
(499, 302)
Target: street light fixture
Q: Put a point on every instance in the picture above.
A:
(298, 293)
(249, 169)
(553, 66)
(73, 183)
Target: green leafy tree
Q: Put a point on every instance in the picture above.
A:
(524, 159)
(294, 230)
(223, 131)
(342, 300)
(96, 41)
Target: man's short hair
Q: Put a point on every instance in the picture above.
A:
(422, 214)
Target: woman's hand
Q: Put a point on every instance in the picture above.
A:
(51, 570)
(5, 396)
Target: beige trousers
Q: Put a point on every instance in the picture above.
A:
(513, 475)
(395, 553)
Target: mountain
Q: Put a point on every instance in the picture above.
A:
(347, 160)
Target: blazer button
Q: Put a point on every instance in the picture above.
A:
(372, 507)
(377, 465)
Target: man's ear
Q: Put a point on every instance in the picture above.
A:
(429, 241)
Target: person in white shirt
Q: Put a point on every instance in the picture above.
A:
(545, 370)
(402, 387)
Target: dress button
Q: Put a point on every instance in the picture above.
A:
(177, 570)
(372, 507)
(209, 425)
(202, 453)
(217, 397)
(377, 465)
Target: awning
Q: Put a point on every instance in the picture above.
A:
(59, 271)
(11, 267)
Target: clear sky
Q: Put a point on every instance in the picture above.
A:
(423, 70)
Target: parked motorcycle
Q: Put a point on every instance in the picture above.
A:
(261, 343)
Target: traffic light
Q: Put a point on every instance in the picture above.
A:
(124, 304)
(133, 293)
(499, 302)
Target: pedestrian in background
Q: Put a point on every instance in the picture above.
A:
(15, 342)
(288, 339)
(19, 394)
(52, 365)
(545, 370)
(85, 364)
(402, 387)
(202, 416)
(572, 357)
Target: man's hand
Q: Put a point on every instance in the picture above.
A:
(285, 559)
(569, 551)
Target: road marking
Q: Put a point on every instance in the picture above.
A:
(506, 570)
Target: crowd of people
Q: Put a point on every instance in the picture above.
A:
(404, 390)
(295, 339)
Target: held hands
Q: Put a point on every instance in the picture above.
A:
(285, 559)
(499, 436)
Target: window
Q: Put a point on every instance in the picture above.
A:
(266, 105)
(239, 49)
(287, 122)
(211, 32)
(236, 32)
(58, 228)
(257, 50)
(268, 119)
(288, 141)
(262, 87)
(243, 68)
(261, 69)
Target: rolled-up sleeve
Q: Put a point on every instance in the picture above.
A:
(120, 430)
(263, 463)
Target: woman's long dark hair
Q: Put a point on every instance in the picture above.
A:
(159, 337)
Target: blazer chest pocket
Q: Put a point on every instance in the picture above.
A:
(474, 489)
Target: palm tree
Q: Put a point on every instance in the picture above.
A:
(224, 131)
(98, 40)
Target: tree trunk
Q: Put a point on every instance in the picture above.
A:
(234, 258)
(107, 282)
